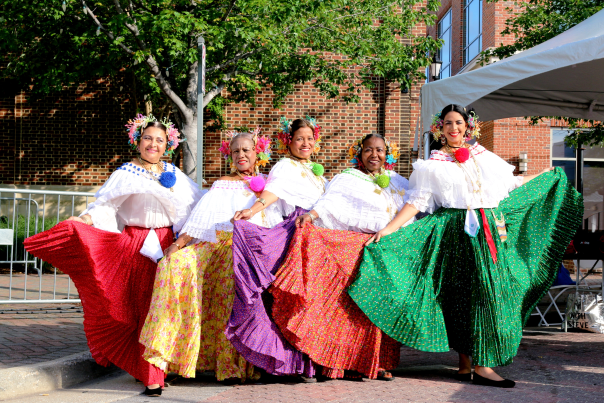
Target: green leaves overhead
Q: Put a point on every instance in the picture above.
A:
(340, 46)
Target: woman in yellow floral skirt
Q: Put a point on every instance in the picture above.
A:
(194, 286)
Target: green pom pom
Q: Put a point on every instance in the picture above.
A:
(383, 181)
(318, 169)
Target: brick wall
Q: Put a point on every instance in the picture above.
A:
(505, 137)
(74, 138)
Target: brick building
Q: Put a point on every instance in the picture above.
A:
(469, 27)
(73, 140)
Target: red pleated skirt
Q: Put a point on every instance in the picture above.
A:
(115, 284)
(314, 312)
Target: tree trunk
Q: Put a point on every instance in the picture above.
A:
(189, 150)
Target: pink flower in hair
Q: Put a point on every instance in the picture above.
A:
(225, 149)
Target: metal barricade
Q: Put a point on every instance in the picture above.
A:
(25, 279)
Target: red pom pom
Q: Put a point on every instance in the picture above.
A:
(462, 155)
(257, 184)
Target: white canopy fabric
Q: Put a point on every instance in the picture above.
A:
(561, 77)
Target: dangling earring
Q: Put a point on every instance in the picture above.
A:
(233, 167)
(443, 139)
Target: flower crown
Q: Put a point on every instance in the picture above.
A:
(284, 136)
(392, 153)
(262, 146)
(473, 126)
(139, 123)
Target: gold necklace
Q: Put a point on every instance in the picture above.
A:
(478, 187)
(311, 175)
(159, 167)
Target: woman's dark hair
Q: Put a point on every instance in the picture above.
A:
(367, 137)
(157, 125)
(299, 124)
(456, 108)
(465, 114)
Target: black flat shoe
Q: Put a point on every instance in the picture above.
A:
(480, 380)
(463, 377)
(152, 392)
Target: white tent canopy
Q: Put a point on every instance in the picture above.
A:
(561, 77)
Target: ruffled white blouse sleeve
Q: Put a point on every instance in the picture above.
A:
(353, 202)
(480, 182)
(216, 209)
(131, 197)
(295, 185)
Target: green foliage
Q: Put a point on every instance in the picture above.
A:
(340, 46)
(21, 232)
(536, 21)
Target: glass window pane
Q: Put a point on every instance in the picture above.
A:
(593, 152)
(445, 51)
(473, 27)
(568, 167)
(447, 19)
(446, 72)
(593, 194)
(559, 149)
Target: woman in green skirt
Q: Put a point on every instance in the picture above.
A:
(469, 275)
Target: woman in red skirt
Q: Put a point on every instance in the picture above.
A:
(312, 308)
(111, 250)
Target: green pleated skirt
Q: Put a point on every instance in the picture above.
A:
(432, 287)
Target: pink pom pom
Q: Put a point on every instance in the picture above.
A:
(462, 155)
(257, 184)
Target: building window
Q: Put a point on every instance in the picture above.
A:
(593, 176)
(444, 54)
(472, 29)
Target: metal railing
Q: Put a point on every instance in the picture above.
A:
(25, 279)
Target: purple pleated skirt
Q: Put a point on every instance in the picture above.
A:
(257, 255)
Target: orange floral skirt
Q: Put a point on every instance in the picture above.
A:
(315, 313)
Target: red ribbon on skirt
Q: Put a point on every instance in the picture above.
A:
(487, 235)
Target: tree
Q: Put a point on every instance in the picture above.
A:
(536, 21)
(338, 45)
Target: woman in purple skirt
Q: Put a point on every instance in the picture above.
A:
(295, 183)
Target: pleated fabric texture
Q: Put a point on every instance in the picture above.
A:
(432, 287)
(192, 301)
(115, 283)
(314, 311)
(257, 254)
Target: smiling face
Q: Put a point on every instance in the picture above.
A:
(373, 155)
(243, 154)
(454, 128)
(152, 144)
(303, 143)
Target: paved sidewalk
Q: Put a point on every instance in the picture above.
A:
(39, 333)
(551, 366)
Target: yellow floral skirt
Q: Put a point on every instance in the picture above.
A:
(191, 304)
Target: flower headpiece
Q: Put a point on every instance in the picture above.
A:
(392, 153)
(262, 146)
(139, 123)
(284, 136)
(473, 127)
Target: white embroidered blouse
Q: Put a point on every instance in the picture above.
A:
(354, 202)
(216, 209)
(131, 197)
(295, 184)
(480, 182)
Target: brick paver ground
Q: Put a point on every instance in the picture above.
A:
(31, 333)
(550, 367)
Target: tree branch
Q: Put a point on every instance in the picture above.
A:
(229, 10)
(105, 30)
(237, 57)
